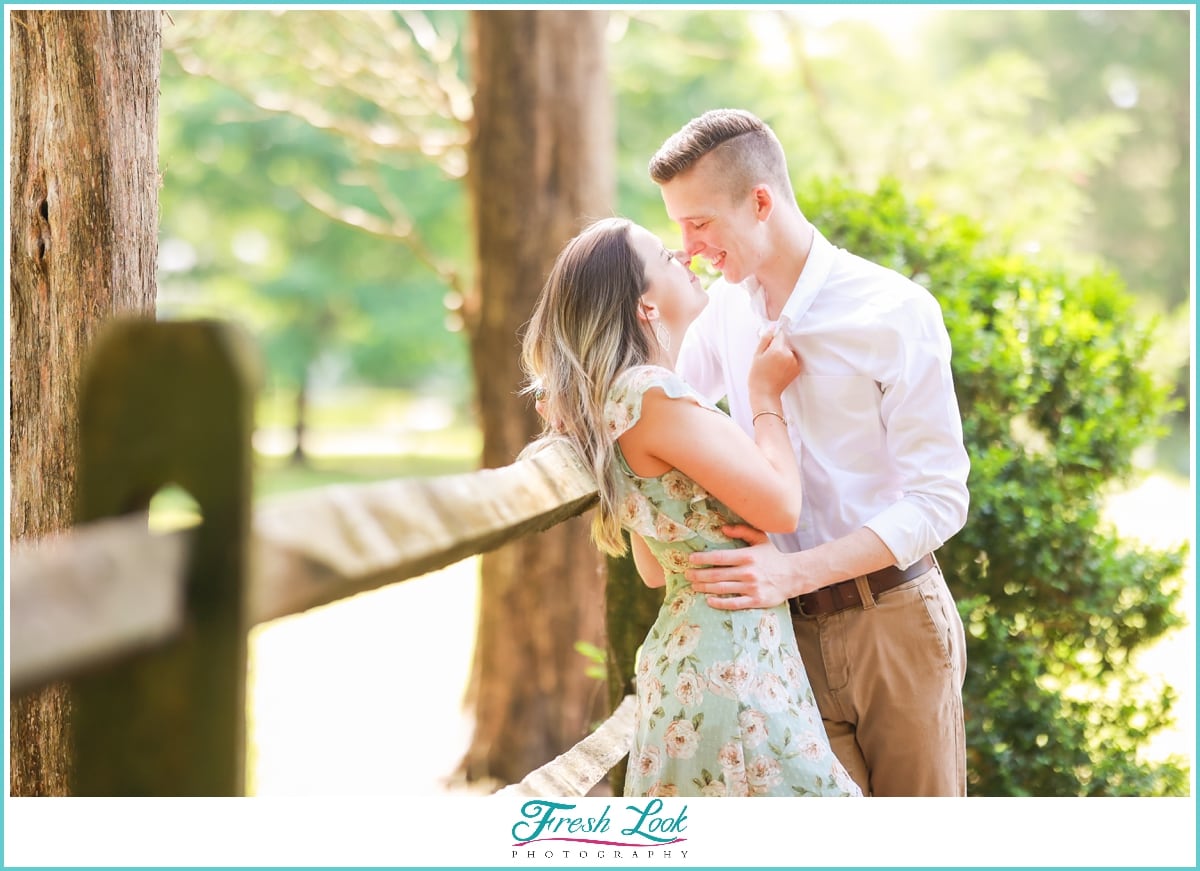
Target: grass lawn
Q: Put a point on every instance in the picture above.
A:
(368, 440)
(276, 475)
(173, 508)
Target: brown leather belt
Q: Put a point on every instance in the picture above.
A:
(843, 595)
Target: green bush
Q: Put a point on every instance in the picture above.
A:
(1049, 372)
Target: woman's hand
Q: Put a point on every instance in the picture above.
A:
(774, 367)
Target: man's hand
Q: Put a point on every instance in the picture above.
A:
(758, 576)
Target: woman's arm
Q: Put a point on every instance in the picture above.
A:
(758, 479)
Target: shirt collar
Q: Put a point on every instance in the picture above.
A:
(812, 278)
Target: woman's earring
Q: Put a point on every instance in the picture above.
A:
(663, 335)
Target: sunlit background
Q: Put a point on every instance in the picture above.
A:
(312, 190)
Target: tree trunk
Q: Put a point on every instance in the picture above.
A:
(630, 610)
(540, 168)
(84, 248)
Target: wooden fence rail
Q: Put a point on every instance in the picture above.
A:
(151, 628)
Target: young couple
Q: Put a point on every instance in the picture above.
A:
(827, 659)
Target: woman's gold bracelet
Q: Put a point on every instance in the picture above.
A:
(772, 413)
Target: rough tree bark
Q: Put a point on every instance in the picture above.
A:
(84, 221)
(540, 167)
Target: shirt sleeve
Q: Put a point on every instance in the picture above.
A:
(699, 362)
(924, 438)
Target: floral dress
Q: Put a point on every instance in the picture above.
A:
(724, 702)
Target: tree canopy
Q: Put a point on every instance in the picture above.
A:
(313, 160)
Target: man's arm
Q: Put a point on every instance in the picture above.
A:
(761, 576)
(924, 437)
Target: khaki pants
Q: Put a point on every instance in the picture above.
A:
(888, 679)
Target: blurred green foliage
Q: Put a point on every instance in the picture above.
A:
(1129, 66)
(290, 198)
(1054, 396)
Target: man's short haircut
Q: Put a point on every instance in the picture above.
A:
(745, 152)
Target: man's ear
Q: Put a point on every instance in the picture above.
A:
(764, 202)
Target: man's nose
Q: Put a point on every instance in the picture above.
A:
(691, 245)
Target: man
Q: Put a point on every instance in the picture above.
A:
(875, 424)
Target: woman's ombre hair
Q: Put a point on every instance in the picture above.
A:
(584, 332)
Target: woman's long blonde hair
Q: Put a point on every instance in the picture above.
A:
(585, 332)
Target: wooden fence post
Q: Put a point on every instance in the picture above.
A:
(171, 403)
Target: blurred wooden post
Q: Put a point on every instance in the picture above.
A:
(171, 403)
(630, 609)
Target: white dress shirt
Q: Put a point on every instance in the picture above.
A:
(873, 417)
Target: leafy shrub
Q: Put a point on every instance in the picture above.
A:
(1054, 395)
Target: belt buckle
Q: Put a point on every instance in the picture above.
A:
(799, 607)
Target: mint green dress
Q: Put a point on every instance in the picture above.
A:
(724, 702)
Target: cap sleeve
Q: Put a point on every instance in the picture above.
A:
(624, 406)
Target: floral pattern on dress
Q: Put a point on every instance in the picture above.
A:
(724, 703)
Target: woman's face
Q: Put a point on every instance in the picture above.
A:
(673, 292)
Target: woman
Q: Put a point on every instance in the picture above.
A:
(725, 706)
